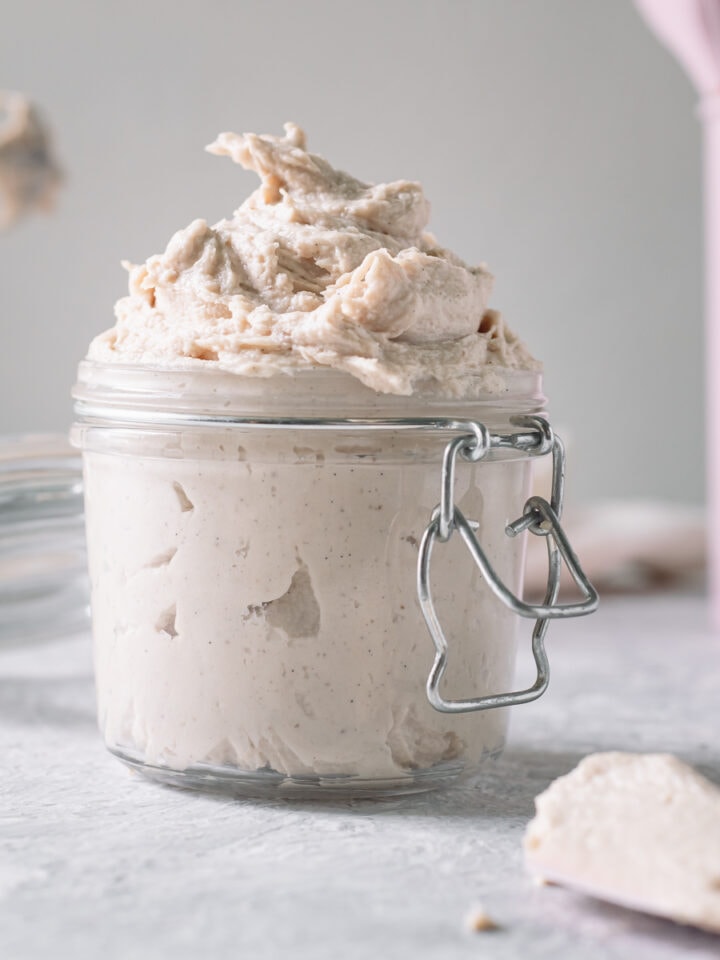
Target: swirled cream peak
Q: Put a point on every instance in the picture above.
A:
(315, 268)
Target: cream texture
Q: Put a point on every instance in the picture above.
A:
(253, 592)
(254, 603)
(29, 176)
(642, 831)
(315, 268)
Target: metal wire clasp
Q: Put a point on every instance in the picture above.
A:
(541, 519)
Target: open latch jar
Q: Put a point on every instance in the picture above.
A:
(266, 616)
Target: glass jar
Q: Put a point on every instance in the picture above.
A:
(256, 547)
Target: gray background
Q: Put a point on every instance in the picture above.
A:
(556, 141)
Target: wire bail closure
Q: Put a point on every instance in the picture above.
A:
(541, 519)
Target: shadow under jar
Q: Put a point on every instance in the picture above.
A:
(253, 551)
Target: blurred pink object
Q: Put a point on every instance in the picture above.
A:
(691, 30)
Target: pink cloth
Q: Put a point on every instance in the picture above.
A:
(691, 30)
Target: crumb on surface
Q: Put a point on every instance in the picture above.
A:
(479, 920)
(539, 881)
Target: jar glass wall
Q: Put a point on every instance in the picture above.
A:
(255, 617)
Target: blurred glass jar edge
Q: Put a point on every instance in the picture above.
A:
(44, 593)
(172, 477)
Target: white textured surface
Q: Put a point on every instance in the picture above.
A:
(94, 862)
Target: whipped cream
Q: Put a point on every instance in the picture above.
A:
(316, 268)
(29, 175)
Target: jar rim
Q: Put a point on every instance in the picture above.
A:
(199, 389)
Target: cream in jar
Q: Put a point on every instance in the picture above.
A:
(254, 605)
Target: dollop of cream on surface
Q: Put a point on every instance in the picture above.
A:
(638, 830)
(314, 269)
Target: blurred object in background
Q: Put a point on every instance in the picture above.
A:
(43, 579)
(690, 29)
(29, 175)
(629, 546)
